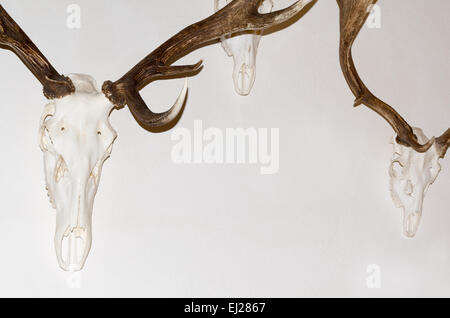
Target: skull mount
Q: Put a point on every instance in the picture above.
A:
(411, 174)
(243, 48)
(76, 138)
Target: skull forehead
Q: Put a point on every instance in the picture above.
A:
(81, 120)
(82, 107)
(416, 165)
(409, 154)
(86, 106)
(243, 43)
(78, 125)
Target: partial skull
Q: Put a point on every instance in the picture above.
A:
(411, 174)
(243, 48)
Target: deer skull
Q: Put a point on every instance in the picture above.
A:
(76, 139)
(412, 173)
(244, 49)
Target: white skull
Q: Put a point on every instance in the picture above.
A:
(76, 138)
(412, 173)
(243, 48)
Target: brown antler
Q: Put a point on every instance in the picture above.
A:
(443, 143)
(12, 37)
(238, 16)
(353, 16)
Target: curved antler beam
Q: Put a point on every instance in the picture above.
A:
(353, 14)
(238, 16)
(14, 38)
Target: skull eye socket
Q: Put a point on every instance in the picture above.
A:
(45, 139)
(60, 169)
(396, 169)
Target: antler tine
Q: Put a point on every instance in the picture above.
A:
(14, 38)
(237, 16)
(353, 16)
(443, 143)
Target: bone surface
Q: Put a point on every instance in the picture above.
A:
(243, 48)
(76, 138)
(411, 174)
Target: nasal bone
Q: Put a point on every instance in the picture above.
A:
(78, 205)
(76, 246)
(76, 241)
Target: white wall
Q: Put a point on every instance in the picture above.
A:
(162, 229)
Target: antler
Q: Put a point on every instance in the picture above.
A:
(238, 16)
(353, 16)
(12, 36)
(443, 143)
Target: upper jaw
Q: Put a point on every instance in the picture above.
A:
(72, 247)
(411, 222)
(244, 79)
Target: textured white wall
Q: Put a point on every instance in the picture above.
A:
(162, 229)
